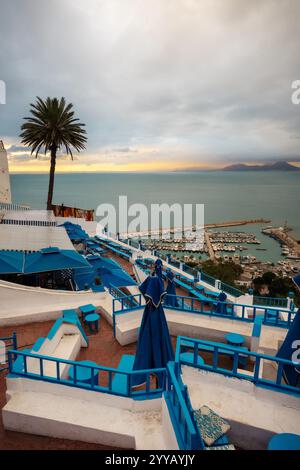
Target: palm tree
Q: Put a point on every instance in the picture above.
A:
(50, 127)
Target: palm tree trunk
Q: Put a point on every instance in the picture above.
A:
(51, 178)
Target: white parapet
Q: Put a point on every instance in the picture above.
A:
(23, 304)
(59, 411)
(255, 413)
(5, 191)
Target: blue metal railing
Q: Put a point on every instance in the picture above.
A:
(125, 305)
(231, 290)
(116, 292)
(270, 301)
(208, 279)
(219, 349)
(208, 307)
(33, 366)
(188, 269)
(187, 435)
(7, 343)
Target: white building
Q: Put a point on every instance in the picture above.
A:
(5, 191)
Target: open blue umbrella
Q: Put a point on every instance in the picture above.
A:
(11, 262)
(170, 300)
(288, 350)
(53, 259)
(154, 348)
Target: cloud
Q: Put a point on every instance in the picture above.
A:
(199, 82)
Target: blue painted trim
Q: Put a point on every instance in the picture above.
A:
(60, 321)
(38, 344)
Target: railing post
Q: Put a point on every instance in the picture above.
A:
(15, 341)
(10, 361)
(114, 324)
(256, 369)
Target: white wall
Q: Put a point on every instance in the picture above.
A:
(22, 304)
(5, 191)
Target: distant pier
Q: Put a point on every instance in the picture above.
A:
(230, 223)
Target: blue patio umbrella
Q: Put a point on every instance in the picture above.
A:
(53, 259)
(170, 300)
(11, 262)
(154, 348)
(75, 231)
(289, 347)
(221, 307)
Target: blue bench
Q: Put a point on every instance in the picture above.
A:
(200, 288)
(182, 284)
(71, 313)
(119, 382)
(211, 293)
(199, 296)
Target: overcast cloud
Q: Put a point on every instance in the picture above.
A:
(181, 81)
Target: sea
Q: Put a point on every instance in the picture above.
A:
(272, 195)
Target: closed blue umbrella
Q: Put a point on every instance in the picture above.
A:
(154, 348)
(288, 350)
(221, 307)
(158, 268)
(171, 291)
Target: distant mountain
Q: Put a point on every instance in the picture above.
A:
(278, 166)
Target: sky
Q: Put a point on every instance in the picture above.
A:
(161, 85)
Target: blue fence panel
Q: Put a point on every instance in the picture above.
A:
(176, 398)
(239, 355)
(208, 279)
(21, 364)
(231, 290)
(205, 306)
(270, 301)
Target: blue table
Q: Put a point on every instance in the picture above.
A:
(92, 321)
(85, 374)
(189, 357)
(234, 339)
(285, 442)
(86, 310)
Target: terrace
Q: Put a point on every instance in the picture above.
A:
(40, 369)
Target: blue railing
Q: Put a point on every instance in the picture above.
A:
(270, 301)
(208, 307)
(188, 269)
(7, 343)
(174, 263)
(176, 399)
(33, 366)
(218, 350)
(240, 312)
(208, 279)
(116, 292)
(231, 290)
(125, 305)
